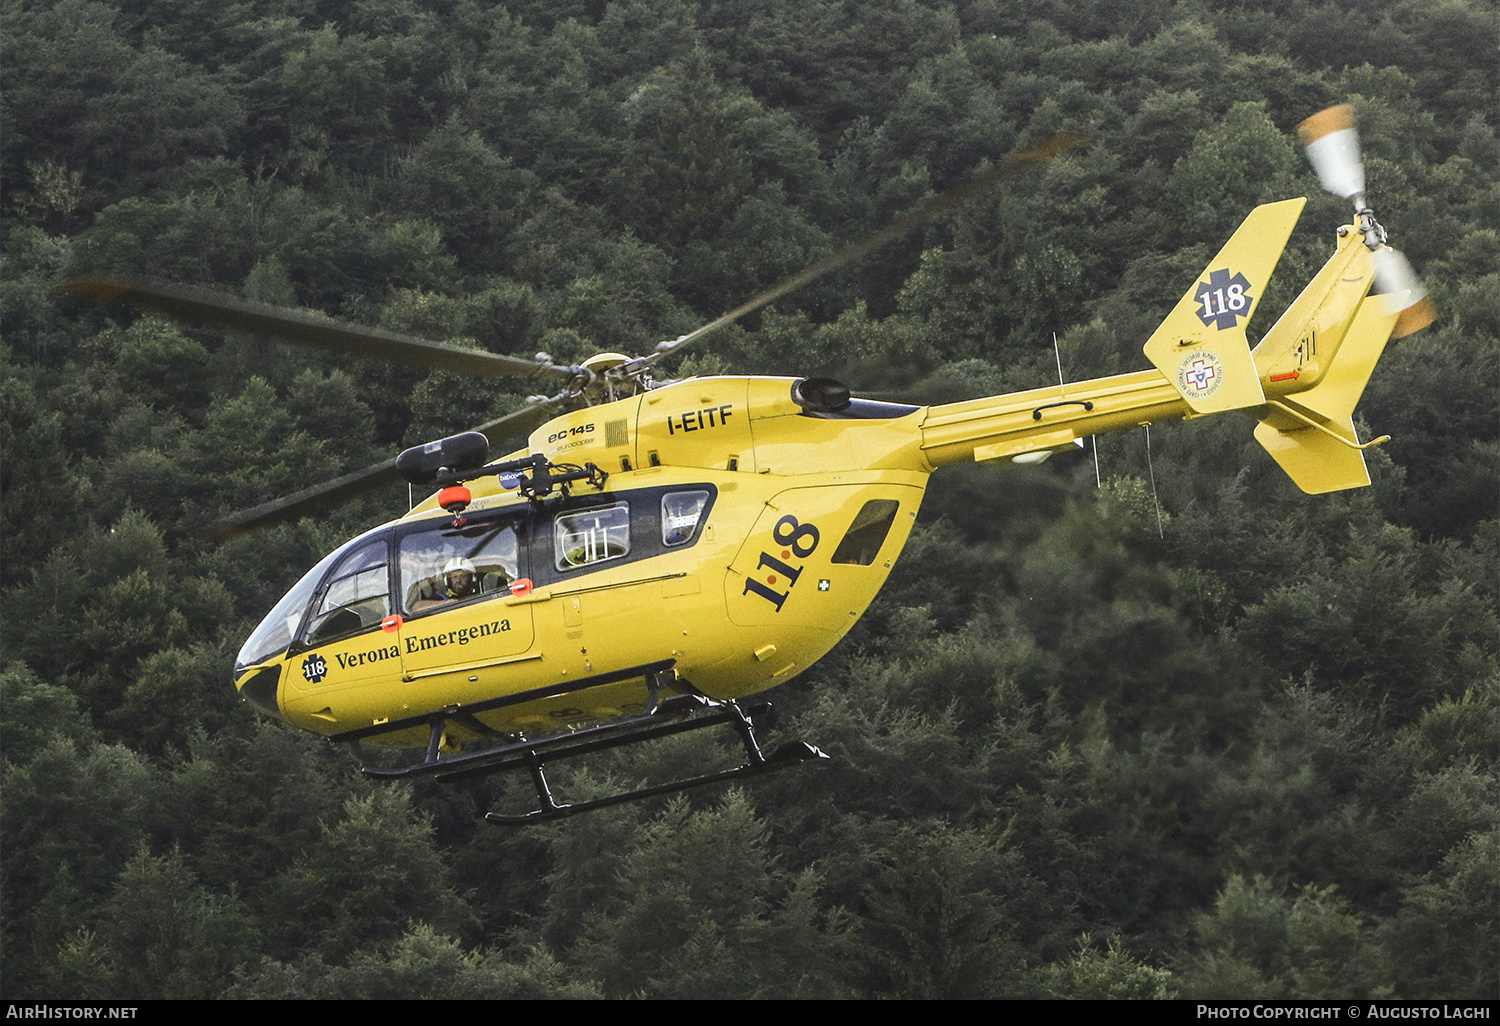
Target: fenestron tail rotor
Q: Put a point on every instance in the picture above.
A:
(1332, 143)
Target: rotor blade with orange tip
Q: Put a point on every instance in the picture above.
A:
(1332, 144)
(214, 309)
(981, 183)
(1400, 292)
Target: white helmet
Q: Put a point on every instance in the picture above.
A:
(457, 563)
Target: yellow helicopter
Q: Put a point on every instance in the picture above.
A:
(650, 562)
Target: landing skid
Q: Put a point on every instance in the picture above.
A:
(634, 731)
(663, 718)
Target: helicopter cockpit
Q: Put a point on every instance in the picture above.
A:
(405, 569)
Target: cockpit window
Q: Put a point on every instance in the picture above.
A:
(356, 596)
(445, 565)
(275, 632)
(593, 536)
(680, 513)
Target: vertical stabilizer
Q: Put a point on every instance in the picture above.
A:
(1302, 344)
(1201, 346)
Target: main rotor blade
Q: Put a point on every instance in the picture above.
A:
(328, 493)
(523, 422)
(217, 310)
(298, 504)
(924, 212)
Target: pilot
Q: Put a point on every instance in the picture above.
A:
(459, 582)
(459, 579)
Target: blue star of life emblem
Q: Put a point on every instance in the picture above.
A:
(314, 668)
(1224, 297)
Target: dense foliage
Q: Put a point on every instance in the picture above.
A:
(1188, 733)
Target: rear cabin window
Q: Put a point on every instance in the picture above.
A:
(592, 536)
(861, 544)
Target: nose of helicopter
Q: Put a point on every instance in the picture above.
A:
(259, 687)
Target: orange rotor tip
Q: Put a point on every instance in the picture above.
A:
(1326, 122)
(100, 289)
(1414, 318)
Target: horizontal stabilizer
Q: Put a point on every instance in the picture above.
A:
(1316, 462)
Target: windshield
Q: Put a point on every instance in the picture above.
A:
(276, 631)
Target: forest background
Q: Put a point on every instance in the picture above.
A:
(1188, 733)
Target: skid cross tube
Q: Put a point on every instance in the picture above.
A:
(535, 756)
(663, 717)
(674, 716)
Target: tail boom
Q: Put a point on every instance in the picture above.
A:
(1045, 419)
(1301, 383)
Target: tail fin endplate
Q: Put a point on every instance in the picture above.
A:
(1315, 362)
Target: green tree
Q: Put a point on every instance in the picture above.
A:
(422, 964)
(72, 816)
(1260, 942)
(1112, 975)
(167, 936)
(1438, 945)
(374, 871)
(934, 921)
(37, 713)
(684, 933)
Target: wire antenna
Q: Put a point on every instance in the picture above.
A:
(1062, 393)
(1151, 470)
